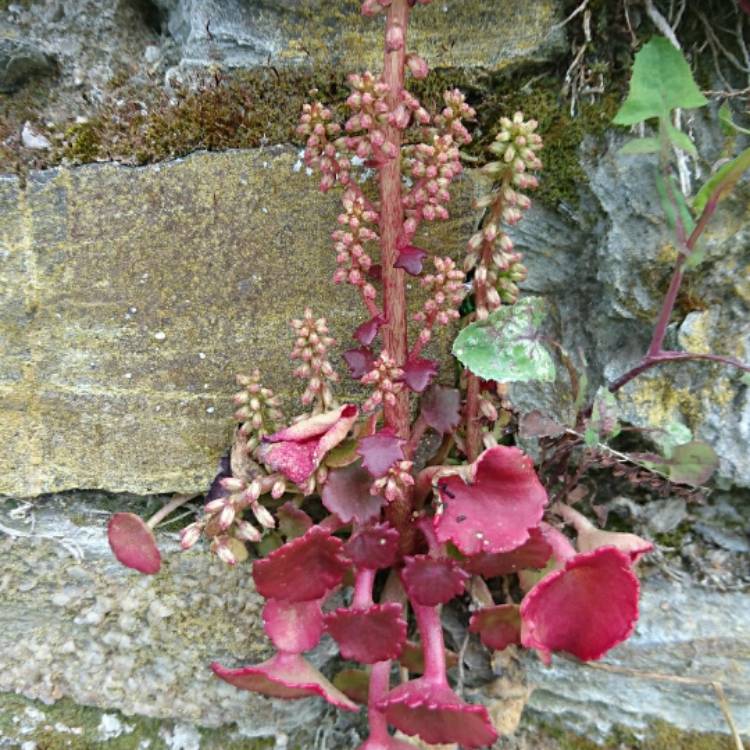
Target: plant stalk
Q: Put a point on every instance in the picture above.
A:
(392, 221)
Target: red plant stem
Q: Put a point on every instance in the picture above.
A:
(391, 224)
(372, 308)
(656, 355)
(380, 683)
(433, 646)
(418, 430)
(363, 588)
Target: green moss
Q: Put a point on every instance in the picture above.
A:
(659, 736)
(67, 726)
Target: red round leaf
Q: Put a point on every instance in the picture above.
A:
(347, 494)
(133, 543)
(360, 361)
(410, 259)
(437, 715)
(284, 676)
(495, 512)
(305, 568)
(367, 332)
(441, 408)
(533, 553)
(293, 626)
(584, 609)
(498, 626)
(374, 547)
(418, 373)
(380, 451)
(368, 635)
(431, 582)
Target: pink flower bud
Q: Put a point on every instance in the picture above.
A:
(190, 535)
(394, 39)
(247, 532)
(417, 66)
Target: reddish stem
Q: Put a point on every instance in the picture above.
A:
(433, 646)
(363, 583)
(391, 223)
(417, 433)
(380, 683)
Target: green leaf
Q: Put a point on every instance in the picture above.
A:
(720, 184)
(692, 463)
(672, 435)
(603, 424)
(725, 118)
(661, 82)
(680, 139)
(506, 347)
(669, 195)
(641, 146)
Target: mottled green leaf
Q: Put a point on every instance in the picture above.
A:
(671, 197)
(661, 81)
(691, 463)
(730, 126)
(506, 346)
(680, 139)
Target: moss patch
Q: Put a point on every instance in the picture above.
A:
(64, 725)
(659, 736)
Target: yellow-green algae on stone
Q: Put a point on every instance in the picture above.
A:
(131, 297)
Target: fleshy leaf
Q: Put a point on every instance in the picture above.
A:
(360, 361)
(298, 450)
(437, 715)
(441, 408)
(410, 259)
(506, 346)
(533, 553)
(287, 676)
(347, 494)
(584, 609)
(368, 635)
(431, 582)
(374, 547)
(133, 543)
(342, 455)
(495, 512)
(380, 451)
(293, 521)
(498, 626)
(293, 626)
(354, 684)
(367, 332)
(418, 373)
(661, 81)
(303, 569)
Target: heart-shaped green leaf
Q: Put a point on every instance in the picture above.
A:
(506, 347)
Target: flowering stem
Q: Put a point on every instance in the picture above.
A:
(171, 506)
(392, 218)
(417, 433)
(431, 631)
(363, 588)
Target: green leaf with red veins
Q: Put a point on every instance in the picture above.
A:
(507, 345)
(497, 509)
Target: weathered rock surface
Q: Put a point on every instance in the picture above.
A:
(604, 269)
(463, 33)
(20, 61)
(75, 625)
(129, 298)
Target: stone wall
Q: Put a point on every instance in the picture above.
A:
(129, 298)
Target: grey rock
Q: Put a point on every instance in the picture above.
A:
(683, 632)
(663, 516)
(21, 61)
(728, 540)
